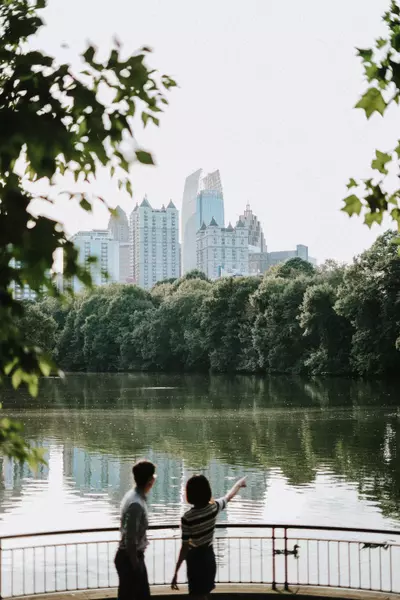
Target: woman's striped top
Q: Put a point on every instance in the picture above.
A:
(198, 524)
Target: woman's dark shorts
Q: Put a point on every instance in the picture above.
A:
(201, 570)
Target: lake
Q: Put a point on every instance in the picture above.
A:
(316, 452)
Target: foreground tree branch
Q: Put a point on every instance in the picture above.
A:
(55, 121)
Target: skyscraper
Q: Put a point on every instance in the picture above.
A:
(210, 205)
(21, 291)
(256, 235)
(196, 183)
(118, 226)
(99, 244)
(154, 244)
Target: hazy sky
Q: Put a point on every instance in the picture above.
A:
(267, 89)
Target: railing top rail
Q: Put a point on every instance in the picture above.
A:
(218, 526)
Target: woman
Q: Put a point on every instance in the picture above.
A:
(198, 526)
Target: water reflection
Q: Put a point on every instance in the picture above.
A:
(315, 452)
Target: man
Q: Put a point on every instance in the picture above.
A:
(129, 560)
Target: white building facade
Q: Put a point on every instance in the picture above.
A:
(256, 234)
(21, 291)
(223, 251)
(154, 244)
(101, 245)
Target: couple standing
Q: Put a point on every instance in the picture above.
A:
(198, 526)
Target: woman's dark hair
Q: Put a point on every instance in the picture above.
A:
(142, 472)
(198, 491)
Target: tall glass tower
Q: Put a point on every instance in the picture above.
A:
(210, 205)
(202, 193)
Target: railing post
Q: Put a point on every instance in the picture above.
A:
(273, 560)
(1, 566)
(286, 560)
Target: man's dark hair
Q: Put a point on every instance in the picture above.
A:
(143, 471)
(198, 491)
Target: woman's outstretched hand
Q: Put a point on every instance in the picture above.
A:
(174, 583)
(235, 490)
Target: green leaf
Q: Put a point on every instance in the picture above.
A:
(88, 55)
(380, 43)
(394, 198)
(45, 366)
(371, 72)
(395, 214)
(395, 73)
(9, 366)
(33, 385)
(144, 157)
(380, 162)
(366, 55)
(371, 102)
(397, 149)
(395, 41)
(16, 378)
(353, 205)
(371, 218)
(145, 118)
(85, 204)
(352, 183)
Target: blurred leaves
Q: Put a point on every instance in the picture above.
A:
(55, 121)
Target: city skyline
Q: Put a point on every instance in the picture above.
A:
(292, 157)
(150, 250)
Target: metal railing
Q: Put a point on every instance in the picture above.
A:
(278, 556)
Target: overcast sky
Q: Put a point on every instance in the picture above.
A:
(267, 89)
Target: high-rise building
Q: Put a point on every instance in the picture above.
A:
(118, 226)
(222, 251)
(98, 244)
(196, 183)
(21, 291)
(256, 235)
(154, 244)
(210, 205)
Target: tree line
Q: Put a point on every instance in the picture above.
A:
(334, 319)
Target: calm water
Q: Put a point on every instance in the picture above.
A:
(315, 452)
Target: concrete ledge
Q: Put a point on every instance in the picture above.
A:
(225, 591)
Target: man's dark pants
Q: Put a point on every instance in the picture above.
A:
(133, 582)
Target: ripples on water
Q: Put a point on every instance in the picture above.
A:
(314, 452)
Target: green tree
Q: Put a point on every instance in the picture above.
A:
(369, 300)
(186, 337)
(193, 274)
(225, 315)
(39, 328)
(328, 333)
(71, 343)
(373, 196)
(293, 267)
(278, 337)
(105, 329)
